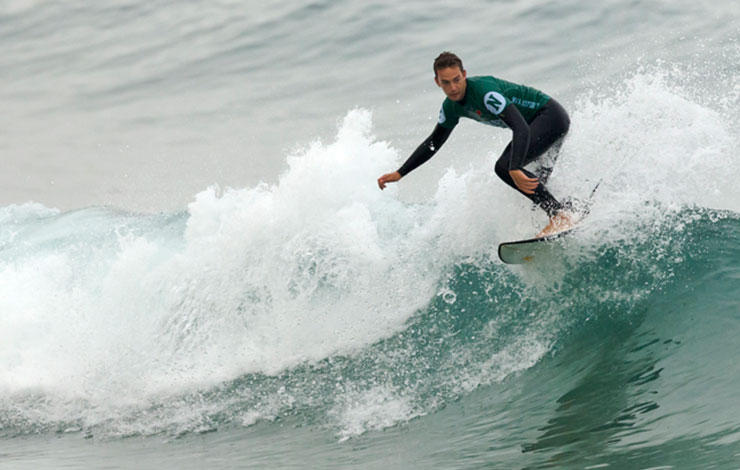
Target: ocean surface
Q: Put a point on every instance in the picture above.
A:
(198, 270)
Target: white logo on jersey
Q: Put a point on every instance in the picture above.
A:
(494, 101)
(442, 117)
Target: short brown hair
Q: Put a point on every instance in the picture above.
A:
(445, 60)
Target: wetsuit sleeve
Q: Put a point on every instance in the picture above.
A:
(426, 150)
(520, 141)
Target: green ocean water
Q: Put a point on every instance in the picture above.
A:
(624, 356)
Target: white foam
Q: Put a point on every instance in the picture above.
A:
(376, 408)
(268, 277)
(653, 148)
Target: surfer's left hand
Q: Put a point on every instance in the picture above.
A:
(526, 184)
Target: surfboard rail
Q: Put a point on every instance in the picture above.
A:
(526, 251)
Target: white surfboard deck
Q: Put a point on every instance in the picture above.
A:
(539, 248)
(531, 249)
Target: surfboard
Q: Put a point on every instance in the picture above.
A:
(538, 248)
(531, 249)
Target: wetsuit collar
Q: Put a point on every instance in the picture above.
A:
(465, 96)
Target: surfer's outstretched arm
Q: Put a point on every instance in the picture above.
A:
(423, 152)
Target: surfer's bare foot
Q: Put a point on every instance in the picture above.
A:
(559, 222)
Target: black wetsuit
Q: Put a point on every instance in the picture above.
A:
(537, 122)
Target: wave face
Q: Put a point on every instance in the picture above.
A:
(321, 300)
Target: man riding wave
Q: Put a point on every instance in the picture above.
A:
(537, 121)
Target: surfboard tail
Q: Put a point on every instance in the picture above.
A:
(529, 250)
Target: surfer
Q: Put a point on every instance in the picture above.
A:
(537, 121)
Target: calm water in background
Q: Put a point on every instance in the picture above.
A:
(197, 270)
(143, 104)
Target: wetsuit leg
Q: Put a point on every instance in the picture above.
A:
(547, 128)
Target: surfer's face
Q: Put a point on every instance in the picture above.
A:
(452, 81)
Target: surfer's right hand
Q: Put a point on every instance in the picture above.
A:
(388, 178)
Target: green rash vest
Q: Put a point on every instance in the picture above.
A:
(486, 97)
